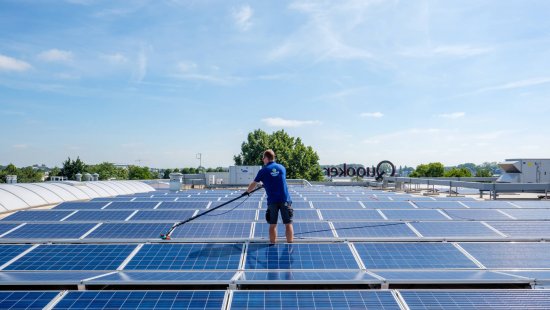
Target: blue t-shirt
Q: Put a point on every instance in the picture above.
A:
(273, 176)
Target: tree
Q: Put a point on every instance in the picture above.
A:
(72, 167)
(483, 172)
(167, 173)
(108, 171)
(8, 170)
(458, 172)
(140, 173)
(28, 175)
(432, 170)
(301, 161)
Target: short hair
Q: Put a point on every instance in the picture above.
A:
(269, 154)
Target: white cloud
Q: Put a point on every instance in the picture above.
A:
(518, 84)
(460, 50)
(242, 17)
(454, 115)
(55, 55)
(280, 122)
(186, 66)
(12, 64)
(115, 59)
(141, 68)
(372, 114)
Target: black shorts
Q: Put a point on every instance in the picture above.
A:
(272, 212)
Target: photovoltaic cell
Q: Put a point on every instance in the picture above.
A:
(100, 215)
(46, 277)
(9, 251)
(81, 205)
(529, 214)
(302, 230)
(142, 300)
(158, 215)
(7, 227)
(36, 216)
(224, 214)
(50, 231)
(300, 256)
(313, 277)
(439, 205)
(187, 257)
(337, 205)
(351, 215)
(476, 214)
(527, 229)
(25, 300)
(219, 230)
(417, 214)
(387, 205)
(183, 205)
(129, 230)
(510, 255)
(132, 205)
(382, 229)
(168, 277)
(488, 204)
(73, 257)
(455, 229)
(533, 203)
(412, 256)
(314, 300)
(477, 299)
(447, 276)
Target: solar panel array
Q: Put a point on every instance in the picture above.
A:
(344, 236)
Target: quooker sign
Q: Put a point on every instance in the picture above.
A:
(375, 172)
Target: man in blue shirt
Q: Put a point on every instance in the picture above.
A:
(273, 177)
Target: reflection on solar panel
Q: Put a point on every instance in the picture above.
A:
(73, 257)
(529, 214)
(186, 257)
(132, 205)
(51, 231)
(80, 205)
(300, 256)
(447, 276)
(337, 205)
(532, 229)
(170, 277)
(373, 229)
(356, 215)
(45, 215)
(142, 300)
(216, 230)
(157, 215)
(510, 255)
(477, 299)
(488, 204)
(314, 300)
(99, 216)
(476, 214)
(129, 230)
(388, 205)
(412, 256)
(454, 229)
(46, 277)
(439, 205)
(9, 251)
(307, 276)
(25, 300)
(184, 205)
(414, 215)
(302, 230)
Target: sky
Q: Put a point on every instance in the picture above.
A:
(156, 82)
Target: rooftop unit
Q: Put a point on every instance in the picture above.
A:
(525, 171)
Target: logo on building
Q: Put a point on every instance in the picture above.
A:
(384, 168)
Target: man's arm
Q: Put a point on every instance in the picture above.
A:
(252, 186)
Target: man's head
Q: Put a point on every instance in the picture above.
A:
(269, 156)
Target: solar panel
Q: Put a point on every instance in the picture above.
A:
(20, 278)
(455, 230)
(9, 251)
(388, 205)
(36, 216)
(527, 229)
(447, 276)
(488, 204)
(302, 230)
(4, 228)
(109, 199)
(253, 205)
(477, 299)
(296, 205)
(25, 300)
(300, 256)
(218, 230)
(158, 215)
(352, 299)
(129, 231)
(97, 216)
(510, 255)
(157, 199)
(417, 214)
(412, 256)
(439, 205)
(169, 256)
(529, 214)
(73, 257)
(307, 277)
(476, 214)
(533, 203)
(50, 231)
(168, 277)
(373, 230)
(225, 214)
(132, 205)
(351, 215)
(142, 300)
(81, 205)
(337, 205)
(183, 205)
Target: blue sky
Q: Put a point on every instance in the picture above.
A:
(155, 82)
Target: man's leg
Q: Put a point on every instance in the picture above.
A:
(289, 233)
(272, 233)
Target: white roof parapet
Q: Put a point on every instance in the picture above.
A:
(28, 195)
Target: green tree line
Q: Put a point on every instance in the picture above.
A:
(437, 169)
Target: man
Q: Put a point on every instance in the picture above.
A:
(273, 177)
